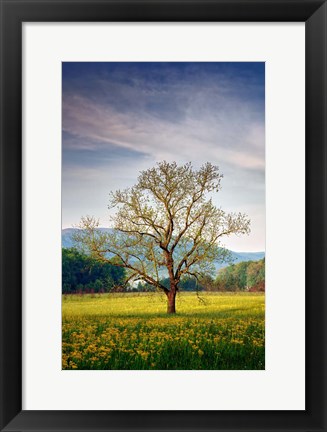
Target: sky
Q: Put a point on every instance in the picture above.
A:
(121, 118)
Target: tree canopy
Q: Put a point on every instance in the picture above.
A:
(165, 224)
(244, 276)
(82, 273)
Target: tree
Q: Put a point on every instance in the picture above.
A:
(246, 275)
(256, 275)
(82, 273)
(166, 223)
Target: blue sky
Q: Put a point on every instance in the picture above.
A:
(120, 118)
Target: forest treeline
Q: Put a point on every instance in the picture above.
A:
(83, 274)
(244, 276)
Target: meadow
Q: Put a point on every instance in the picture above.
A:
(220, 331)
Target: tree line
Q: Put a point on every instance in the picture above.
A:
(83, 274)
(244, 276)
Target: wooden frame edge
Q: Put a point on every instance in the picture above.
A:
(13, 14)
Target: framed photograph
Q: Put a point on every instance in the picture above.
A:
(163, 193)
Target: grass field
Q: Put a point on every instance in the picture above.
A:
(132, 331)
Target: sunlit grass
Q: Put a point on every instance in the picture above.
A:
(131, 331)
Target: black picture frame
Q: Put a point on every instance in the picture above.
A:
(13, 14)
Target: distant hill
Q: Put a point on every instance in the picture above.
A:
(240, 257)
(67, 242)
(67, 234)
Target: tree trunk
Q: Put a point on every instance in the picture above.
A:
(171, 294)
(171, 297)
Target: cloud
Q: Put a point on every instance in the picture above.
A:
(121, 118)
(238, 139)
